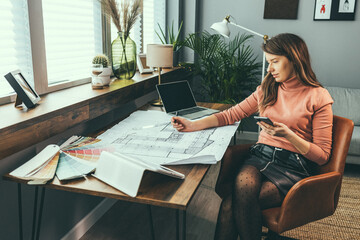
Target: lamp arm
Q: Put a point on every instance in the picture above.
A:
(265, 38)
(263, 68)
(253, 32)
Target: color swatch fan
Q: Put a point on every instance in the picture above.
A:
(79, 157)
(75, 158)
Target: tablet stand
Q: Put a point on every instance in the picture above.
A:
(18, 102)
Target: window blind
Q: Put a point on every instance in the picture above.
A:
(15, 48)
(143, 32)
(73, 37)
(154, 14)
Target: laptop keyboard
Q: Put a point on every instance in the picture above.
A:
(191, 110)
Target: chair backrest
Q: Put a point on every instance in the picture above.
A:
(342, 133)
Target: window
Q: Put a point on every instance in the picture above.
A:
(154, 14)
(73, 36)
(53, 42)
(70, 37)
(15, 48)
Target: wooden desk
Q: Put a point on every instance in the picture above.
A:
(155, 189)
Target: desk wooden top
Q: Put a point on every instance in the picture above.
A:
(155, 189)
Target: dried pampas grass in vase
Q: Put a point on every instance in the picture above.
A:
(124, 17)
(123, 48)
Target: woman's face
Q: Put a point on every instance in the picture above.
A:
(279, 67)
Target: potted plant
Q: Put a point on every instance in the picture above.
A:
(228, 69)
(100, 72)
(172, 39)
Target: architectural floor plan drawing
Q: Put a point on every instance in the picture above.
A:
(150, 136)
(168, 143)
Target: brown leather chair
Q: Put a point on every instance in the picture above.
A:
(310, 199)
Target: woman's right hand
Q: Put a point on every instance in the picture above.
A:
(182, 124)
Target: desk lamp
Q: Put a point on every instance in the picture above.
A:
(223, 29)
(159, 56)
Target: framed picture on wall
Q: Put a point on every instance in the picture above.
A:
(322, 9)
(281, 9)
(334, 10)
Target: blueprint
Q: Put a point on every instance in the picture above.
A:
(150, 136)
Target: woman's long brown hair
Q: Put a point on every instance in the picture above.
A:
(295, 50)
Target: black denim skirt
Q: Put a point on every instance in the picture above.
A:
(282, 167)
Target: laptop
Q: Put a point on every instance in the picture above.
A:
(178, 99)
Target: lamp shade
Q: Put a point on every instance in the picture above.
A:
(159, 55)
(222, 28)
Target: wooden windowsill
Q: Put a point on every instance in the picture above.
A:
(66, 108)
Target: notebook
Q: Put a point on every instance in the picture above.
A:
(178, 99)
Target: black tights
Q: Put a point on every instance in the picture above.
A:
(240, 213)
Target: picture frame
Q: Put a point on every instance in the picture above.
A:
(25, 93)
(141, 63)
(281, 9)
(333, 10)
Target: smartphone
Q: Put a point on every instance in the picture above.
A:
(264, 119)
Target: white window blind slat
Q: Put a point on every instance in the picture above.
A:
(154, 14)
(15, 48)
(73, 37)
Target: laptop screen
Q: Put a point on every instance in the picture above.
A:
(176, 96)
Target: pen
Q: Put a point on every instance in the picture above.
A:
(176, 113)
(155, 125)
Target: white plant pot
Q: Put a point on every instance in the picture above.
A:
(101, 80)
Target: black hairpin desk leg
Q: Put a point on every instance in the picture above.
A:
(178, 225)
(36, 222)
(35, 233)
(34, 212)
(20, 212)
(40, 213)
(151, 223)
(184, 225)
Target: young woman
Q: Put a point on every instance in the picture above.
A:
(300, 109)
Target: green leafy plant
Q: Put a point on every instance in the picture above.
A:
(228, 69)
(101, 59)
(172, 38)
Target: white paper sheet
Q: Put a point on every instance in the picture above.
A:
(149, 135)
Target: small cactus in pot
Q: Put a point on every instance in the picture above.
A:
(101, 72)
(101, 59)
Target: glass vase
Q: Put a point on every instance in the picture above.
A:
(123, 50)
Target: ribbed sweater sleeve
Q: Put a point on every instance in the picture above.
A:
(244, 109)
(322, 124)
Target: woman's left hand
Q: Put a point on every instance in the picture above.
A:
(278, 130)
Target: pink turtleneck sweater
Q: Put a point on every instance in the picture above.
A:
(305, 110)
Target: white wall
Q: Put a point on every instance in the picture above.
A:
(333, 45)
